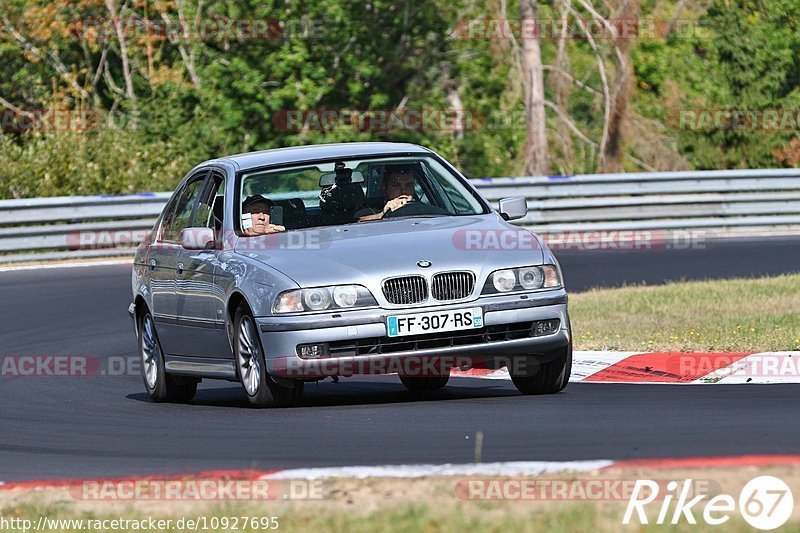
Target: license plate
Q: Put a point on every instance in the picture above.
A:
(434, 321)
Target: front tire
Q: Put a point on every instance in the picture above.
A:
(550, 377)
(261, 390)
(160, 386)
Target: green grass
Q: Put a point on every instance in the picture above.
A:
(738, 315)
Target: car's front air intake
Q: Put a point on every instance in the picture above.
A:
(406, 290)
(452, 285)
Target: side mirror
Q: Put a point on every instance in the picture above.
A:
(197, 238)
(513, 208)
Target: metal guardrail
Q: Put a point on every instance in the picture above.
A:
(44, 229)
(721, 201)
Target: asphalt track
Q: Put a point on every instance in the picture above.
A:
(104, 425)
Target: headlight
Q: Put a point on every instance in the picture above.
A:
(530, 278)
(345, 296)
(504, 280)
(523, 279)
(317, 299)
(322, 298)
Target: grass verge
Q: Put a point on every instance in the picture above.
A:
(738, 315)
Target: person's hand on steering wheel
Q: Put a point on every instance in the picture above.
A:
(397, 203)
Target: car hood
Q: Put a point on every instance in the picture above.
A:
(370, 251)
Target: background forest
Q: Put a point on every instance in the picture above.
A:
(113, 96)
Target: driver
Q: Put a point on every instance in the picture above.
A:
(398, 187)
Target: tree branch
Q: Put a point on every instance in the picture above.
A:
(571, 125)
(606, 93)
(51, 59)
(8, 105)
(573, 79)
(111, 5)
(582, 136)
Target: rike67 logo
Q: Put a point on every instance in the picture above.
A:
(765, 502)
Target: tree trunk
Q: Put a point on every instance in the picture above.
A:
(115, 13)
(620, 102)
(536, 142)
(562, 89)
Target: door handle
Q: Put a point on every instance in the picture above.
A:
(179, 268)
(152, 264)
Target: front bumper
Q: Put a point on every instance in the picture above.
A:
(280, 337)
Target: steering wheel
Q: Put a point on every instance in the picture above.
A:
(415, 207)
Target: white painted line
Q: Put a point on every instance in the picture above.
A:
(501, 373)
(759, 368)
(584, 364)
(67, 265)
(516, 468)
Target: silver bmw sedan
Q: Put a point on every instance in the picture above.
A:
(287, 266)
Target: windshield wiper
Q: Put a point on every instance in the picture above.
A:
(430, 215)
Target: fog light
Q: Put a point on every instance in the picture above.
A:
(546, 327)
(311, 351)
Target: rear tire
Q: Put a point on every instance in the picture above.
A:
(251, 366)
(416, 383)
(160, 386)
(550, 377)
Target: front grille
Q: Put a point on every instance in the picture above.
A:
(406, 290)
(384, 345)
(452, 285)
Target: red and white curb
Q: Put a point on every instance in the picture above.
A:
(507, 469)
(532, 468)
(513, 468)
(673, 368)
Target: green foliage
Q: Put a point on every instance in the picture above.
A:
(106, 162)
(196, 98)
(743, 56)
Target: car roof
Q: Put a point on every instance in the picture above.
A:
(313, 152)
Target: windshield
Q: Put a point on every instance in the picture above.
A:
(351, 191)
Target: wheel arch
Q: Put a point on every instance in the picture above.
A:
(139, 308)
(236, 299)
